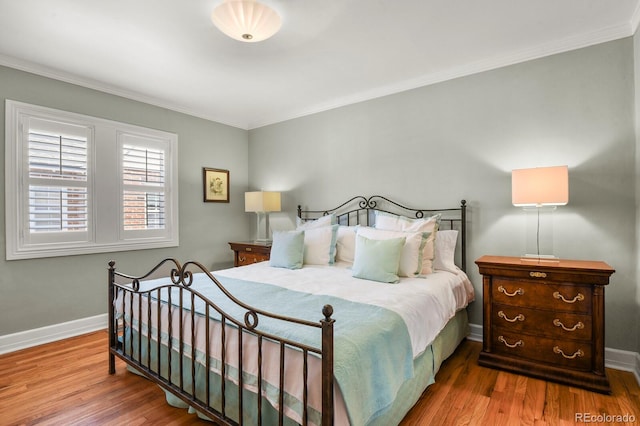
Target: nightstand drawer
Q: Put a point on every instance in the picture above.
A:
(576, 355)
(543, 295)
(246, 253)
(247, 258)
(558, 325)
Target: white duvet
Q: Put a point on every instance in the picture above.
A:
(425, 304)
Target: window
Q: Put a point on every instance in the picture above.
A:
(77, 184)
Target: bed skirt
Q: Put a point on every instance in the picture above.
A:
(426, 366)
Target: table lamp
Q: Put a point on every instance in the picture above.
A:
(540, 188)
(261, 203)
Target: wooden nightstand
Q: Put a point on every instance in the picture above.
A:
(545, 319)
(248, 252)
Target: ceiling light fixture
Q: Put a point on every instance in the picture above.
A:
(246, 20)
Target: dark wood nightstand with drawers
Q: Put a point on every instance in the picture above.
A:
(545, 319)
(248, 252)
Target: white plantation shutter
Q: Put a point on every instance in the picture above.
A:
(57, 178)
(77, 184)
(144, 184)
(148, 204)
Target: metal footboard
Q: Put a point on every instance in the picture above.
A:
(161, 320)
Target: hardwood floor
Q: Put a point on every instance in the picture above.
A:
(467, 394)
(67, 383)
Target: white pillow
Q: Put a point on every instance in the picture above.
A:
(346, 244)
(445, 250)
(320, 245)
(395, 222)
(326, 220)
(411, 255)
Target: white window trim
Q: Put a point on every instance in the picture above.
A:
(105, 235)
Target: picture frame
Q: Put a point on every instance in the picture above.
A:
(215, 185)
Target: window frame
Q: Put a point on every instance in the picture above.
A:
(105, 231)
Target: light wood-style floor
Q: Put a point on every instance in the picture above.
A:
(67, 383)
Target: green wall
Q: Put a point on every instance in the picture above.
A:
(40, 292)
(430, 146)
(435, 145)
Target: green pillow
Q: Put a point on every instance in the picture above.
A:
(377, 260)
(287, 249)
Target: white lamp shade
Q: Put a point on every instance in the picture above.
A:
(247, 20)
(262, 201)
(540, 186)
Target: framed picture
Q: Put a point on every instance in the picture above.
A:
(216, 185)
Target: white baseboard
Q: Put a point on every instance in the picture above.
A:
(29, 338)
(476, 333)
(613, 358)
(622, 360)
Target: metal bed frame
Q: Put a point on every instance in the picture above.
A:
(360, 210)
(125, 290)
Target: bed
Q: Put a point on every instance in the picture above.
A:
(323, 333)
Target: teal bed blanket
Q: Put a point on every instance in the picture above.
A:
(372, 349)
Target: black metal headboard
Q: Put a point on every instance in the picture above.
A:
(360, 210)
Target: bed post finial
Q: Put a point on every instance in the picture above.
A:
(327, 311)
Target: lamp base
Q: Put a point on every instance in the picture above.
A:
(263, 241)
(539, 236)
(262, 227)
(539, 258)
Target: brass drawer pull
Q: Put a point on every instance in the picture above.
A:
(579, 297)
(242, 259)
(247, 249)
(536, 274)
(515, 345)
(578, 326)
(578, 353)
(515, 293)
(519, 317)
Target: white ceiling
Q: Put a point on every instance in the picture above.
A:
(328, 53)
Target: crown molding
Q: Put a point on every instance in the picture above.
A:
(499, 61)
(66, 77)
